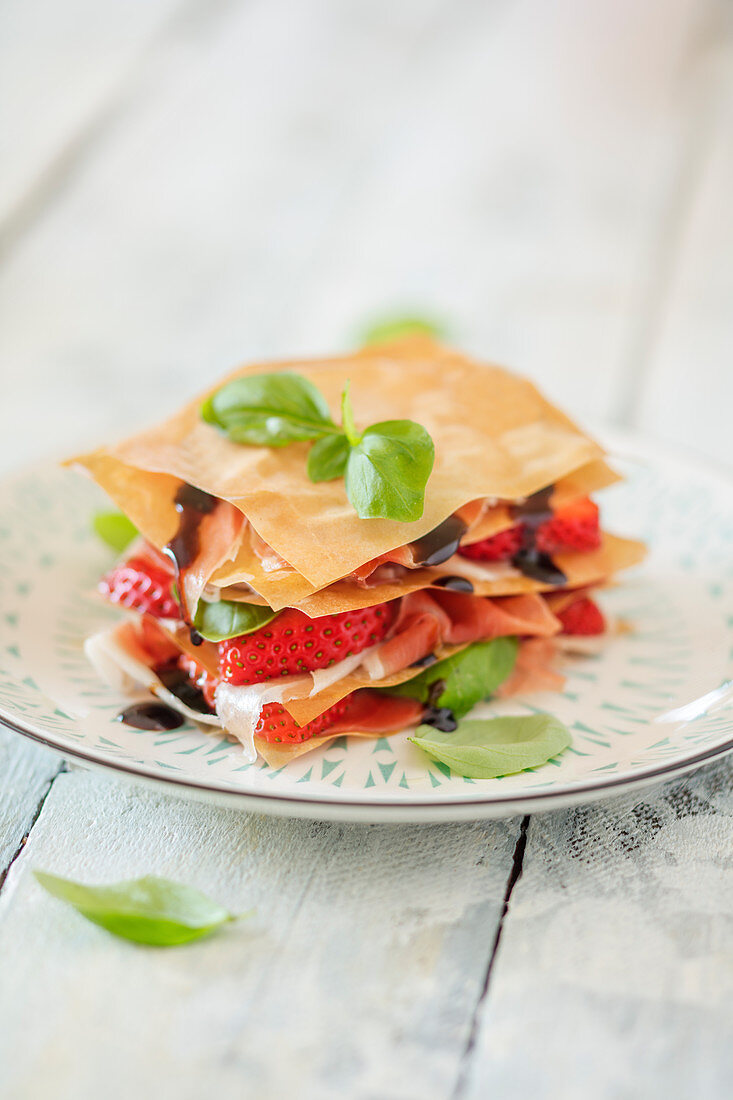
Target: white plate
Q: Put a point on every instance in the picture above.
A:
(681, 651)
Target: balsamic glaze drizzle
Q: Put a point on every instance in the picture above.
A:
(441, 718)
(180, 684)
(442, 542)
(455, 584)
(151, 716)
(424, 662)
(439, 544)
(529, 560)
(192, 505)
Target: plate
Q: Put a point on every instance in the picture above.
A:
(656, 703)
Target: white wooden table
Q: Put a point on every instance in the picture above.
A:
(186, 184)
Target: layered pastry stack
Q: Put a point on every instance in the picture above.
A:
(260, 602)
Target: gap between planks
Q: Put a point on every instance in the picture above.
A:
(514, 876)
(5, 871)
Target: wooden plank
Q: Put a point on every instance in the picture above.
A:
(688, 390)
(26, 772)
(358, 976)
(614, 975)
(63, 68)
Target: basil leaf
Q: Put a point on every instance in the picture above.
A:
(388, 470)
(387, 329)
(228, 619)
(115, 529)
(489, 747)
(469, 676)
(269, 409)
(146, 910)
(327, 458)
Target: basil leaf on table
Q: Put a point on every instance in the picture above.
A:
(148, 910)
(396, 328)
(115, 529)
(269, 409)
(327, 458)
(484, 748)
(388, 470)
(228, 619)
(468, 676)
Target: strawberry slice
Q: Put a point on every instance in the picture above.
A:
(276, 724)
(294, 644)
(582, 617)
(572, 527)
(499, 547)
(141, 585)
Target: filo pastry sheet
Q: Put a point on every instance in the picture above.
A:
(495, 436)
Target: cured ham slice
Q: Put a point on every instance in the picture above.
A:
(473, 618)
(533, 669)
(429, 618)
(219, 536)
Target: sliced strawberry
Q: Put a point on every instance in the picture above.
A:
(499, 547)
(292, 643)
(276, 724)
(572, 527)
(582, 617)
(141, 585)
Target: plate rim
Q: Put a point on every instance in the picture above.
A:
(494, 805)
(448, 806)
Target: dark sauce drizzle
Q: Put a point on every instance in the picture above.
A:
(192, 505)
(441, 718)
(442, 542)
(439, 544)
(455, 584)
(425, 662)
(180, 684)
(151, 716)
(528, 559)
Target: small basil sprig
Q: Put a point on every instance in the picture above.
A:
(228, 619)
(115, 529)
(387, 329)
(465, 678)
(148, 910)
(385, 467)
(490, 747)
